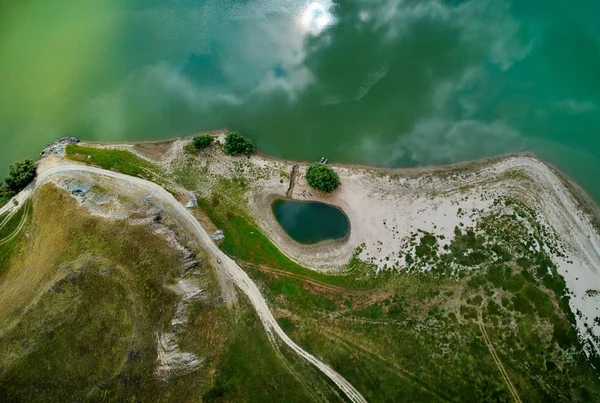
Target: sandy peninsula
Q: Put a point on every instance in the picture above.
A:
(386, 207)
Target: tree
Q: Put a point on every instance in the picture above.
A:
(20, 174)
(203, 141)
(321, 177)
(5, 193)
(236, 144)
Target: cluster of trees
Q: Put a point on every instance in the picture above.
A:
(321, 177)
(203, 141)
(20, 174)
(236, 144)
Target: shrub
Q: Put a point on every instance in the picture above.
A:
(236, 144)
(20, 175)
(203, 141)
(321, 177)
(5, 193)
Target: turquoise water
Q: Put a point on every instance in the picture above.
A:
(310, 222)
(384, 82)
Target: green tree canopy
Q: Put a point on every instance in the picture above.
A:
(321, 177)
(20, 174)
(5, 193)
(203, 141)
(236, 144)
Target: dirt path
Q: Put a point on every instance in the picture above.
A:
(300, 277)
(10, 207)
(229, 267)
(13, 234)
(5, 219)
(489, 345)
(290, 190)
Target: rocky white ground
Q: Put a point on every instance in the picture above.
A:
(385, 207)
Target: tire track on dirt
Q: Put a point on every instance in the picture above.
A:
(13, 234)
(300, 277)
(378, 359)
(490, 346)
(5, 219)
(290, 190)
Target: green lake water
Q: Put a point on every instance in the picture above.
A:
(382, 82)
(310, 222)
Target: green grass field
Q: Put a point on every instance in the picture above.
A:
(12, 223)
(9, 239)
(81, 302)
(245, 242)
(413, 335)
(116, 160)
(418, 339)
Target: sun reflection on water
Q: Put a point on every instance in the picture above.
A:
(317, 17)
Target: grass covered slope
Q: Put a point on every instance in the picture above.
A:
(485, 318)
(84, 302)
(436, 335)
(503, 323)
(112, 159)
(10, 231)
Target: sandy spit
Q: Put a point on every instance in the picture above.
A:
(385, 206)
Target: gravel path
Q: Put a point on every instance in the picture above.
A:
(229, 267)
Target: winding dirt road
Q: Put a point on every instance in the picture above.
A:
(20, 226)
(229, 267)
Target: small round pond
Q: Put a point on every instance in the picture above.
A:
(310, 222)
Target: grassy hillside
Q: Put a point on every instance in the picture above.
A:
(112, 159)
(10, 230)
(489, 321)
(83, 299)
(490, 316)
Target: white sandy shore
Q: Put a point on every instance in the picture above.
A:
(385, 207)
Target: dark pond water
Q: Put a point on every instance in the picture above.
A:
(310, 222)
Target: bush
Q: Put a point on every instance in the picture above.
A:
(203, 141)
(20, 175)
(321, 177)
(5, 194)
(236, 144)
